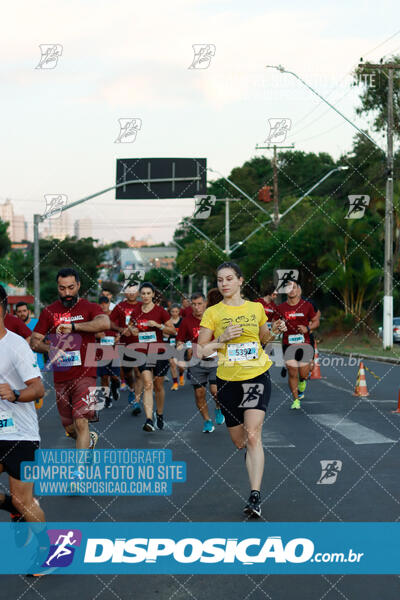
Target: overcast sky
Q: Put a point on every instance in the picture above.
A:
(130, 59)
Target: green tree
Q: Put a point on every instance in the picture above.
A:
(81, 255)
(5, 242)
(374, 95)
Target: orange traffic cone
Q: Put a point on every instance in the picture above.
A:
(398, 405)
(316, 372)
(361, 384)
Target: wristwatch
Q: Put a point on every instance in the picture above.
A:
(17, 395)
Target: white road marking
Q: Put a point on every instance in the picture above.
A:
(274, 439)
(356, 433)
(367, 399)
(337, 387)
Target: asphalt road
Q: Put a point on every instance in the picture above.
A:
(333, 425)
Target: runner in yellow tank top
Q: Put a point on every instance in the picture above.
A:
(244, 387)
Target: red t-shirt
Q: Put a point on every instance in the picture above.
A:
(140, 319)
(54, 315)
(269, 307)
(186, 312)
(189, 329)
(17, 326)
(294, 315)
(121, 315)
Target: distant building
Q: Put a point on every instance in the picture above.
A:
(83, 228)
(134, 243)
(131, 258)
(57, 227)
(16, 230)
(160, 256)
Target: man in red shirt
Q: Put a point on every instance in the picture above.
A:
(270, 294)
(186, 309)
(120, 319)
(300, 318)
(206, 370)
(70, 324)
(17, 326)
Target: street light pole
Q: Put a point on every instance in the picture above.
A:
(237, 244)
(388, 261)
(37, 219)
(227, 230)
(283, 70)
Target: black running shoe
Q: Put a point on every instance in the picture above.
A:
(253, 506)
(136, 409)
(114, 389)
(149, 425)
(108, 403)
(160, 421)
(283, 372)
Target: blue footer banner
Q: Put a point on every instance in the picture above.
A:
(192, 548)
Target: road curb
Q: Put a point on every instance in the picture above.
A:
(387, 359)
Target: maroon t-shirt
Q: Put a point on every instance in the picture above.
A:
(140, 320)
(121, 315)
(186, 312)
(189, 329)
(294, 315)
(17, 326)
(55, 315)
(269, 308)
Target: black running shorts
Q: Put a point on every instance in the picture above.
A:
(237, 396)
(14, 452)
(302, 353)
(160, 369)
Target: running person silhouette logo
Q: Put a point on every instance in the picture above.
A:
(128, 129)
(62, 547)
(133, 278)
(203, 53)
(49, 55)
(204, 205)
(283, 278)
(329, 471)
(278, 130)
(252, 394)
(54, 205)
(357, 205)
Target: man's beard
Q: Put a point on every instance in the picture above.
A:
(69, 301)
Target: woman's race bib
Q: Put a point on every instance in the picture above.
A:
(243, 351)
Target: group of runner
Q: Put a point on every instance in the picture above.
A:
(220, 340)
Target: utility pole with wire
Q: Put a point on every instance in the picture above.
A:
(275, 177)
(388, 263)
(390, 67)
